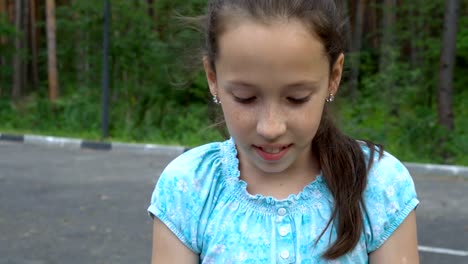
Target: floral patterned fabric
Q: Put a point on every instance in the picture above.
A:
(201, 199)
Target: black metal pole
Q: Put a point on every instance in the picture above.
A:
(105, 72)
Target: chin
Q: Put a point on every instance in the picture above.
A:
(273, 168)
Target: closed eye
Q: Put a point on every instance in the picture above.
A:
(298, 100)
(247, 100)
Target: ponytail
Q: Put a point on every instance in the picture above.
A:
(345, 171)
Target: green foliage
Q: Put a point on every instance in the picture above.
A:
(155, 96)
(149, 77)
(397, 107)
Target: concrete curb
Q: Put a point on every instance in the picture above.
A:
(437, 170)
(72, 143)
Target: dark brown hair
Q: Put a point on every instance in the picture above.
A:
(341, 158)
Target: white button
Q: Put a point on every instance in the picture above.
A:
(283, 231)
(284, 254)
(282, 211)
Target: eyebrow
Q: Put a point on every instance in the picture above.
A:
(301, 85)
(304, 85)
(240, 84)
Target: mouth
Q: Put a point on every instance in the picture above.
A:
(272, 153)
(273, 150)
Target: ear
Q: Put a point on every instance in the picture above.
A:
(210, 76)
(336, 74)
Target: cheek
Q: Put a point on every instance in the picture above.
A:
(237, 118)
(309, 119)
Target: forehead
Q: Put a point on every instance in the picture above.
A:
(286, 48)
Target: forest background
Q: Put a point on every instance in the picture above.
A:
(404, 84)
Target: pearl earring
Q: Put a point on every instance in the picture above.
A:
(330, 98)
(216, 99)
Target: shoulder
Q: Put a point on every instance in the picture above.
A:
(386, 171)
(389, 197)
(194, 161)
(189, 175)
(186, 189)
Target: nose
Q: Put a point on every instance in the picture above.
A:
(271, 123)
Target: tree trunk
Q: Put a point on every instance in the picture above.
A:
(3, 39)
(11, 11)
(26, 49)
(150, 4)
(344, 6)
(447, 63)
(416, 29)
(371, 25)
(51, 50)
(34, 46)
(17, 63)
(3, 7)
(82, 40)
(387, 42)
(3, 13)
(388, 56)
(356, 44)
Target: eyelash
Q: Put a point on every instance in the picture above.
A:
(245, 100)
(292, 100)
(299, 100)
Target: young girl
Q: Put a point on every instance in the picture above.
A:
(288, 186)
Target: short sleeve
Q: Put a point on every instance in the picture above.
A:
(389, 197)
(181, 196)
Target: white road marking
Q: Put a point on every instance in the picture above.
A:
(443, 251)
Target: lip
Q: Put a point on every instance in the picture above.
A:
(272, 156)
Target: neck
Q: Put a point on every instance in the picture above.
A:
(280, 185)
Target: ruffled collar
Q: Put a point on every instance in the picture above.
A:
(313, 191)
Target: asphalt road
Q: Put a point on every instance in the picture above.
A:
(69, 206)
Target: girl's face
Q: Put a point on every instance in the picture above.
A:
(272, 81)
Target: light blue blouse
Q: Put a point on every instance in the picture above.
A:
(201, 199)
